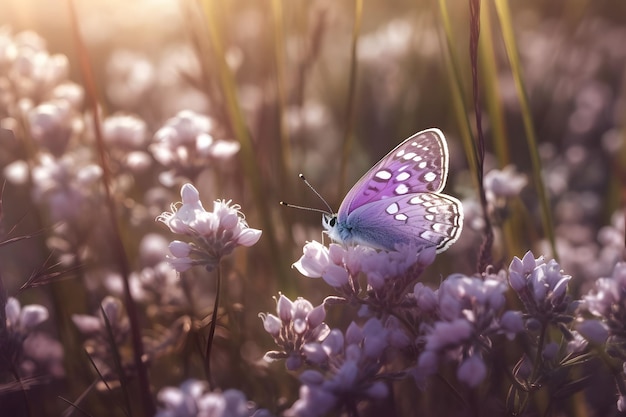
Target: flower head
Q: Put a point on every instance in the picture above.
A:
(470, 312)
(541, 286)
(192, 399)
(388, 273)
(352, 361)
(295, 324)
(215, 234)
(186, 144)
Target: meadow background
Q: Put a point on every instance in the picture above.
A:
(323, 88)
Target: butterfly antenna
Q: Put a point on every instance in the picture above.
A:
(282, 203)
(330, 210)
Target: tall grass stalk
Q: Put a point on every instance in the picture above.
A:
(212, 14)
(484, 256)
(506, 25)
(348, 137)
(117, 244)
(458, 92)
(281, 90)
(497, 123)
(490, 86)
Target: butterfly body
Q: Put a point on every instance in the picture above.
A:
(399, 200)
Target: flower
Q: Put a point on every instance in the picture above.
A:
(127, 137)
(351, 362)
(542, 288)
(296, 324)
(191, 399)
(68, 185)
(21, 321)
(388, 273)
(472, 371)
(470, 312)
(130, 79)
(186, 143)
(503, 184)
(215, 234)
(24, 349)
(17, 326)
(52, 125)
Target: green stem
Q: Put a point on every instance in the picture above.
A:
(506, 23)
(117, 245)
(350, 104)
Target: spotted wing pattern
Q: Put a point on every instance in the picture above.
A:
(417, 165)
(399, 199)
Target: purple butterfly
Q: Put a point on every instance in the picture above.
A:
(399, 200)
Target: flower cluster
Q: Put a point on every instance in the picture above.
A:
(67, 186)
(295, 325)
(126, 137)
(470, 312)
(215, 233)
(18, 324)
(192, 399)
(106, 330)
(352, 362)
(388, 273)
(503, 184)
(607, 301)
(185, 144)
(542, 288)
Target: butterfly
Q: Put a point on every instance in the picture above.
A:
(399, 200)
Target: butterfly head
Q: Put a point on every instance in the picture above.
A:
(329, 221)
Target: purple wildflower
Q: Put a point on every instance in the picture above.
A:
(295, 324)
(352, 362)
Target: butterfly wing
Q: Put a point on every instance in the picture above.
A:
(417, 165)
(424, 219)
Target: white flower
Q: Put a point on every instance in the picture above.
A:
(215, 234)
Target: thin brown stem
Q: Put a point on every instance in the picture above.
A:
(211, 336)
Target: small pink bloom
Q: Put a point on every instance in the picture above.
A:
(314, 261)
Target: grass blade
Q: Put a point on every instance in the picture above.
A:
(506, 24)
(348, 137)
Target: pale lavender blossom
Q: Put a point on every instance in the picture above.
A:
(157, 285)
(23, 349)
(215, 234)
(328, 263)
(95, 326)
(31, 70)
(542, 288)
(52, 124)
(68, 186)
(621, 403)
(295, 324)
(131, 76)
(20, 321)
(124, 131)
(594, 331)
(472, 371)
(503, 184)
(95, 329)
(186, 144)
(607, 302)
(388, 273)
(470, 312)
(350, 363)
(192, 399)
